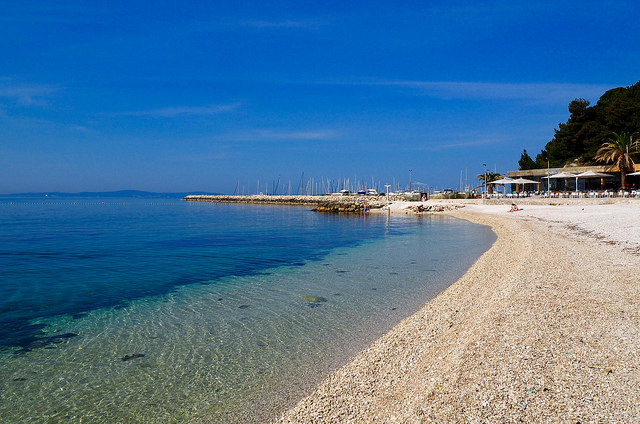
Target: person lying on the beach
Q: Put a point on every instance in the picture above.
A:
(514, 208)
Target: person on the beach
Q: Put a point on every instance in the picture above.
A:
(514, 208)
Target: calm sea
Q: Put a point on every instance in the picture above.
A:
(162, 311)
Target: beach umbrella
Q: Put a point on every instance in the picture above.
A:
(523, 181)
(560, 175)
(634, 173)
(592, 174)
(503, 181)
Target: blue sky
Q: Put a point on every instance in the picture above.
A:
(218, 95)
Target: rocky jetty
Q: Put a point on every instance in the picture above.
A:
(259, 198)
(332, 203)
(328, 203)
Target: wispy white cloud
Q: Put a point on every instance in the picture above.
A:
(178, 111)
(280, 135)
(25, 94)
(547, 92)
(199, 157)
(81, 129)
(284, 24)
(464, 143)
(302, 24)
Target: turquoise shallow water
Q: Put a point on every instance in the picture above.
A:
(152, 312)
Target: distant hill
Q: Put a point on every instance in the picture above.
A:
(109, 194)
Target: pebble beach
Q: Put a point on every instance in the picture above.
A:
(544, 327)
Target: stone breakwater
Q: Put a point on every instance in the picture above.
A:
(330, 204)
(338, 204)
(257, 198)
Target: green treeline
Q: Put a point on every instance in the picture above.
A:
(588, 127)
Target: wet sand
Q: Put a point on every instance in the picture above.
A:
(544, 327)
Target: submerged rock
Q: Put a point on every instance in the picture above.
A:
(61, 337)
(132, 357)
(313, 299)
(44, 342)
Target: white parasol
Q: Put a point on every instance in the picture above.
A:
(560, 175)
(591, 174)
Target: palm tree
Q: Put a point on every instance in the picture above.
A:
(619, 151)
(491, 176)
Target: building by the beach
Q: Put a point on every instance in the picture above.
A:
(610, 182)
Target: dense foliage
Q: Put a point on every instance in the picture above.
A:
(526, 162)
(588, 127)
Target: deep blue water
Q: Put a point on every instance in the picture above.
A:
(70, 256)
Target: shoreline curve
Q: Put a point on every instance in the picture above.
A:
(544, 327)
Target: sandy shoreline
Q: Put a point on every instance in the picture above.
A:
(544, 327)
